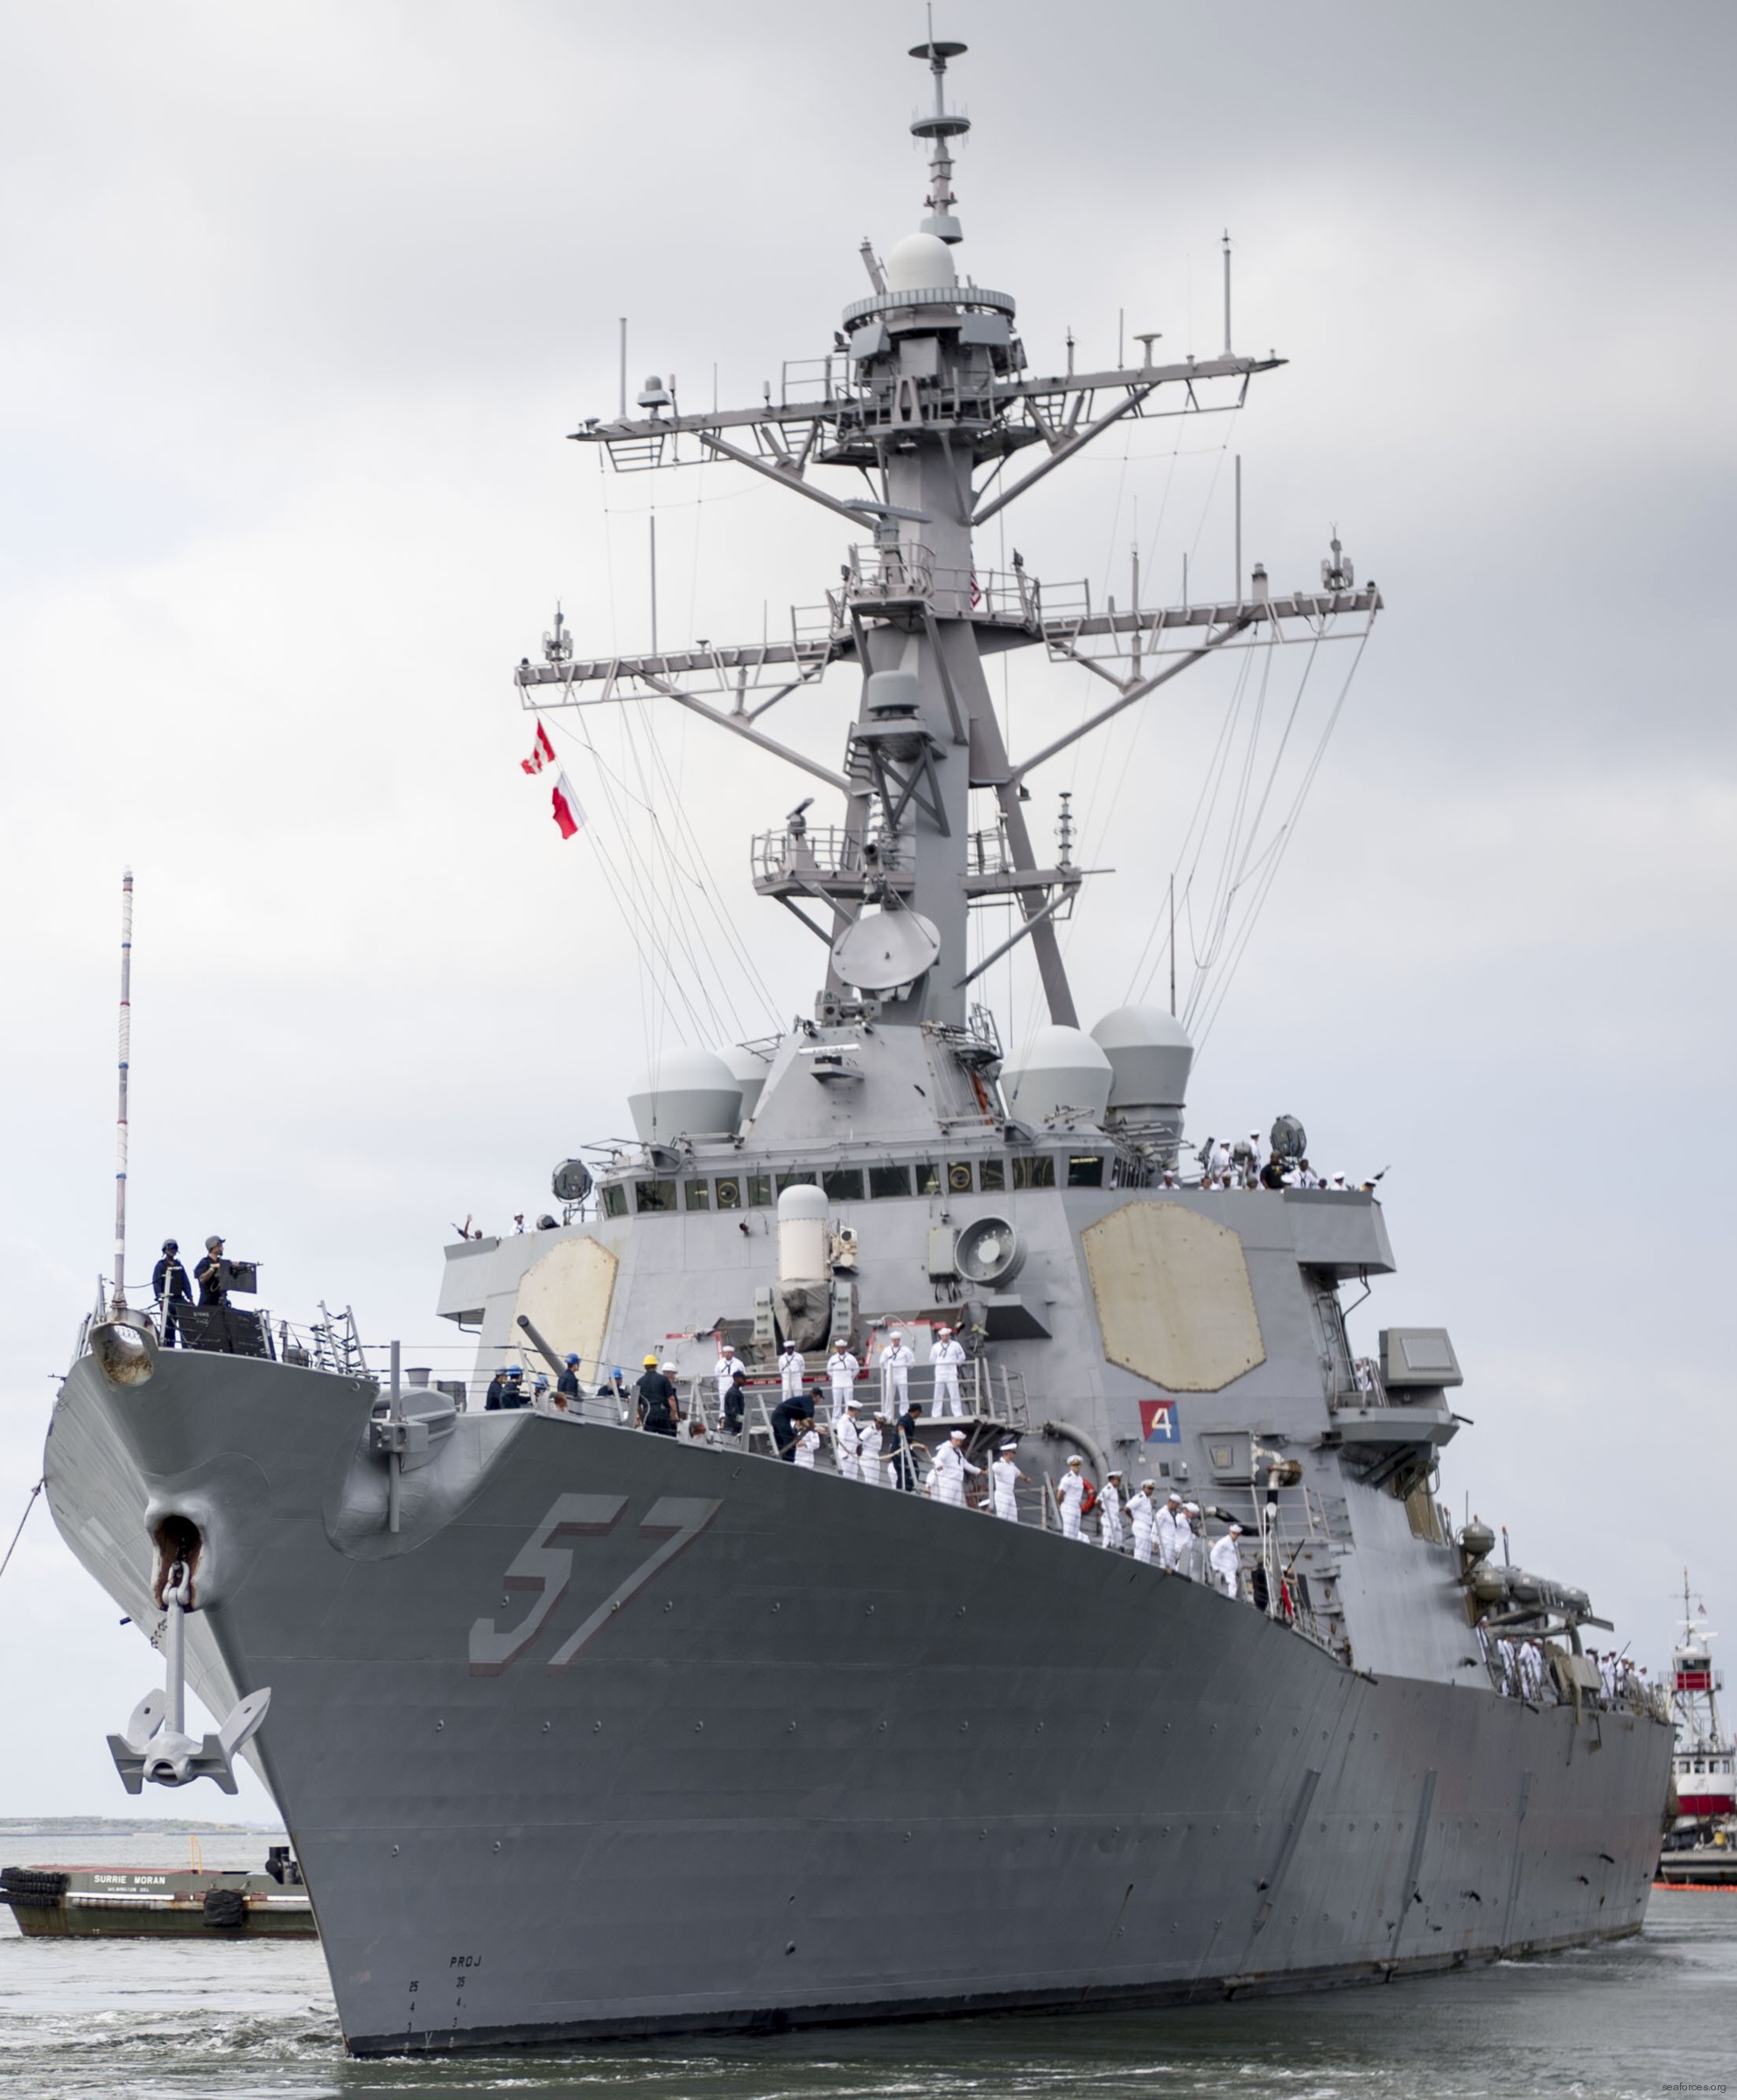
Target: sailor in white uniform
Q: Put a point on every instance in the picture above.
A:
(1193, 1546)
(896, 1376)
(952, 1466)
(1005, 1479)
(806, 1445)
(840, 1368)
(847, 1442)
(1110, 1511)
(791, 1367)
(869, 1462)
(1143, 1519)
(1227, 1563)
(723, 1373)
(1070, 1494)
(1173, 1535)
(946, 1357)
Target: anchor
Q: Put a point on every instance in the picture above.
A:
(156, 1746)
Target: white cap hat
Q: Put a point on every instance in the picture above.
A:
(1148, 1486)
(943, 1330)
(1010, 1444)
(1114, 1474)
(1233, 1530)
(1194, 1506)
(1076, 1460)
(958, 1437)
(850, 1405)
(1175, 1494)
(666, 1368)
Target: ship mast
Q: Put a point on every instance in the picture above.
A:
(927, 396)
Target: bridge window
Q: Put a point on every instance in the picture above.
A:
(760, 1191)
(729, 1192)
(794, 1179)
(614, 1200)
(1034, 1170)
(929, 1178)
(991, 1176)
(654, 1195)
(696, 1195)
(889, 1182)
(1086, 1171)
(959, 1177)
(843, 1184)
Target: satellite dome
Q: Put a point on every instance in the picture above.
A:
(749, 1069)
(694, 1093)
(1150, 1054)
(921, 262)
(1064, 1068)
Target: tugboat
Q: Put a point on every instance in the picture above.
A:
(582, 1730)
(1701, 1848)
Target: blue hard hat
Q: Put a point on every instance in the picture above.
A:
(515, 1370)
(571, 1357)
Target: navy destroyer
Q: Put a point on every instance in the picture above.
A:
(583, 1732)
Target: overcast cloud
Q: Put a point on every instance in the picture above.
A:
(298, 304)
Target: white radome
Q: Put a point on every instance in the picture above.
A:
(694, 1094)
(1063, 1069)
(749, 1070)
(919, 263)
(1150, 1054)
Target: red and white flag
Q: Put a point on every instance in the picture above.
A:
(568, 815)
(543, 752)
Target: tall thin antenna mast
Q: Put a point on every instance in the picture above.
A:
(654, 582)
(121, 1113)
(1227, 352)
(624, 367)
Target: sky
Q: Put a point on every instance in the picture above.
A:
(300, 303)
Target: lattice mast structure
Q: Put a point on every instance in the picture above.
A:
(927, 399)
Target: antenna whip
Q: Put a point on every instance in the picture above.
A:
(121, 1113)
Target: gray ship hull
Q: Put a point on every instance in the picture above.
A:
(714, 1742)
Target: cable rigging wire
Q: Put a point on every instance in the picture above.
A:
(1287, 831)
(659, 864)
(1093, 827)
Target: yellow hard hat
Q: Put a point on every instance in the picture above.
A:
(650, 1360)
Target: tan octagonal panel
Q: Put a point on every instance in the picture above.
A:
(1172, 1296)
(566, 1295)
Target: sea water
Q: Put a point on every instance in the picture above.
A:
(211, 2018)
